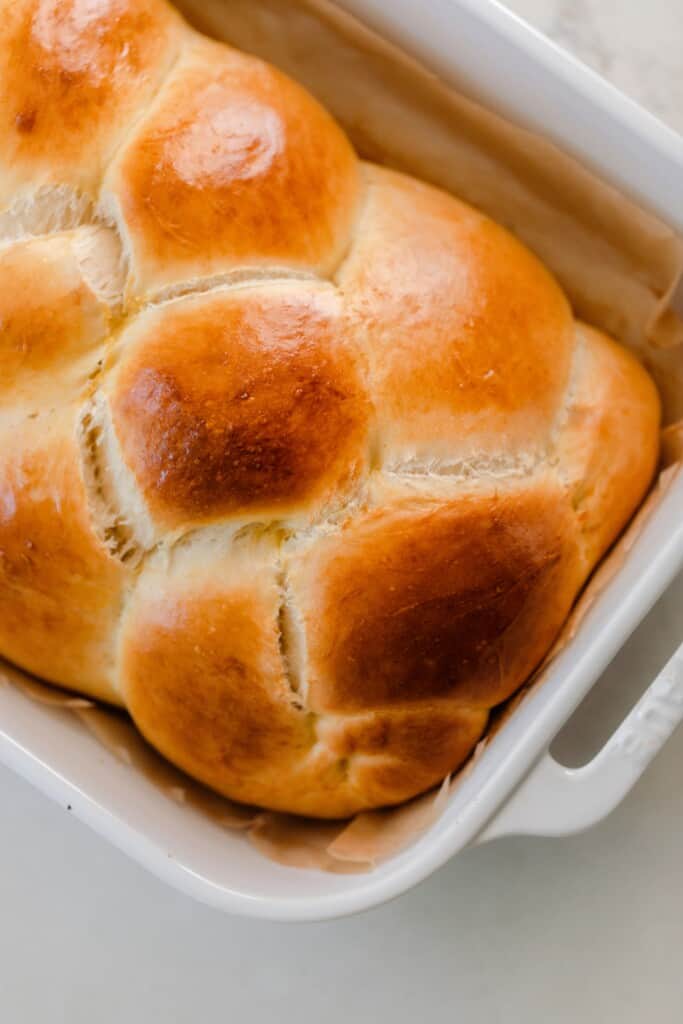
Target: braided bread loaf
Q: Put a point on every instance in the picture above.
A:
(303, 462)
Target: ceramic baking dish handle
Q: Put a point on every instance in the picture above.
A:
(554, 800)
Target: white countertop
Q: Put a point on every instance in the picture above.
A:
(583, 929)
(637, 44)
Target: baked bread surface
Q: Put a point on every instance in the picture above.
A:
(302, 461)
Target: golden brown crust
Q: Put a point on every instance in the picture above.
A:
(422, 599)
(608, 447)
(280, 190)
(205, 681)
(390, 756)
(245, 402)
(301, 462)
(469, 336)
(203, 675)
(72, 77)
(52, 323)
(60, 590)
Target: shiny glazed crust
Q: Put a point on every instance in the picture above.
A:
(301, 461)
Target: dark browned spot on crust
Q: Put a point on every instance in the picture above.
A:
(70, 70)
(25, 120)
(239, 404)
(455, 602)
(211, 454)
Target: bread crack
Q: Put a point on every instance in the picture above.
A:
(488, 467)
(50, 210)
(126, 533)
(291, 641)
(238, 278)
(114, 530)
(568, 402)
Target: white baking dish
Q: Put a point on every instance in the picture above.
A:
(515, 786)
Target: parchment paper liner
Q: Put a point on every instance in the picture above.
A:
(619, 265)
